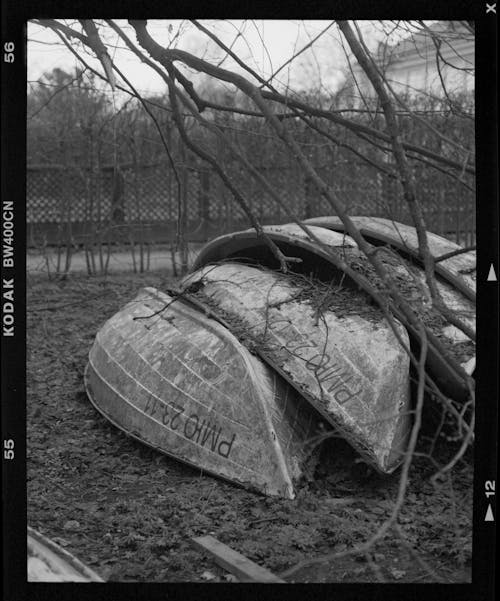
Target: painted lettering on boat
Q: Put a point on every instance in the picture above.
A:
(332, 376)
(336, 379)
(201, 431)
(194, 428)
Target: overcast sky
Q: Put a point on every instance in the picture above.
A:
(263, 44)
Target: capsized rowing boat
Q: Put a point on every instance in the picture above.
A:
(166, 374)
(48, 562)
(459, 270)
(318, 249)
(335, 348)
(456, 280)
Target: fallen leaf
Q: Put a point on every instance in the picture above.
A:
(397, 574)
(206, 575)
(71, 525)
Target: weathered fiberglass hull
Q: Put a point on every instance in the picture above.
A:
(342, 356)
(176, 380)
(458, 270)
(456, 279)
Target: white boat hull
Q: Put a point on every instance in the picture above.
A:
(352, 369)
(180, 382)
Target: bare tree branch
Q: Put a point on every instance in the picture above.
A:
(406, 176)
(159, 53)
(166, 57)
(403, 480)
(99, 48)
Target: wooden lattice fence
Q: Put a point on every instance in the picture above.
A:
(66, 204)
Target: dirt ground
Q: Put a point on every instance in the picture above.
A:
(130, 512)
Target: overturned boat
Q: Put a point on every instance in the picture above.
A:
(48, 562)
(459, 270)
(325, 253)
(455, 268)
(177, 380)
(239, 371)
(329, 343)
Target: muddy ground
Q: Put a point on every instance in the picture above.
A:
(129, 512)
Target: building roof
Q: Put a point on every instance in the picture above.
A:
(421, 42)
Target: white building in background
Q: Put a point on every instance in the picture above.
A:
(416, 66)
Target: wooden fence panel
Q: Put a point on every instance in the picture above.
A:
(69, 202)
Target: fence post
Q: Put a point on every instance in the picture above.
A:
(442, 214)
(309, 198)
(182, 217)
(204, 201)
(69, 233)
(117, 197)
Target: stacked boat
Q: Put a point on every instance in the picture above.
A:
(243, 368)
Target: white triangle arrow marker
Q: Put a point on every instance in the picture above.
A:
(489, 515)
(492, 276)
